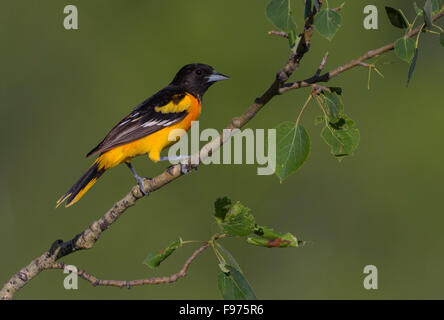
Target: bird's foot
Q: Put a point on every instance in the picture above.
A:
(186, 166)
(142, 188)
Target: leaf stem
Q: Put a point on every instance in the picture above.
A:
(216, 252)
(302, 110)
(322, 108)
(438, 27)
(419, 34)
(194, 241)
(405, 18)
(378, 72)
(433, 32)
(413, 23)
(218, 255)
(369, 76)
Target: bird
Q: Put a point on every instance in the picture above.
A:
(145, 130)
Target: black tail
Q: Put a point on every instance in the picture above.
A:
(82, 185)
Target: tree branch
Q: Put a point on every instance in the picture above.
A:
(335, 72)
(89, 237)
(128, 284)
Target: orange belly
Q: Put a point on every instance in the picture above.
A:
(152, 144)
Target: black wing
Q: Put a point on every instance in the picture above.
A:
(144, 120)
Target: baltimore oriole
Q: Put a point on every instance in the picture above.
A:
(145, 130)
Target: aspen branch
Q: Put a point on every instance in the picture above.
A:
(357, 62)
(87, 238)
(128, 284)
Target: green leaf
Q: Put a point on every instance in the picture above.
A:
(435, 7)
(293, 147)
(287, 240)
(327, 22)
(258, 242)
(412, 66)
(294, 46)
(153, 260)
(234, 286)
(337, 90)
(316, 3)
(319, 120)
(428, 13)
(441, 38)
(238, 221)
(396, 18)
(342, 137)
(266, 232)
(405, 49)
(229, 256)
(334, 106)
(307, 12)
(339, 131)
(279, 13)
(223, 266)
(431, 8)
(221, 207)
(418, 11)
(272, 239)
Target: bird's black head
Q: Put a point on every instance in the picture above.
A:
(196, 78)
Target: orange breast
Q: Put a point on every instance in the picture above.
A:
(152, 144)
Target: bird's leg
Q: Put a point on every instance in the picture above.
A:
(138, 178)
(185, 162)
(174, 158)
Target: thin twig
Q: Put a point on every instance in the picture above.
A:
(339, 8)
(322, 65)
(278, 33)
(365, 65)
(128, 284)
(317, 88)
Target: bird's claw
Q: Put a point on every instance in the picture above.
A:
(187, 167)
(141, 187)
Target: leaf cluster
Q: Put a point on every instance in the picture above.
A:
(234, 220)
(406, 48)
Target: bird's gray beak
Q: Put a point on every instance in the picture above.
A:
(216, 76)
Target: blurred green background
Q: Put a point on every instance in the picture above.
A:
(61, 91)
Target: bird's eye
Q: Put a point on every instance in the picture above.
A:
(198, 72)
